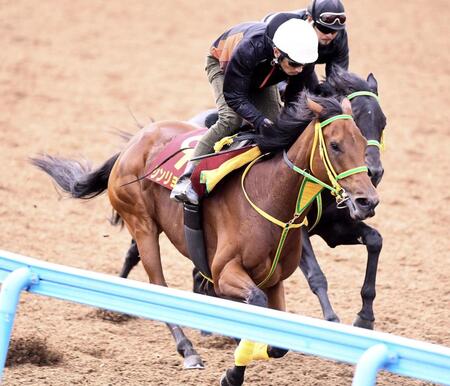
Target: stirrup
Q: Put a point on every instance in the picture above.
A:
(184, 192)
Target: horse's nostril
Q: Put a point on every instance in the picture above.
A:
(366, 204)
(375, 172)
(363, 202)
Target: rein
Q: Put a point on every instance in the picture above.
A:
(370, 142)
(310, 184)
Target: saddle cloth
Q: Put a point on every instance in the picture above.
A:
(169, 164)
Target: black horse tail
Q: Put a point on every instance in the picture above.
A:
(74, 177)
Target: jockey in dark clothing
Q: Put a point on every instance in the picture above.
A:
(245, 55)
(328, 17)
(242, 65)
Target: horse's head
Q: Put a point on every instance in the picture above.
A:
(339, 157)
(367, 113)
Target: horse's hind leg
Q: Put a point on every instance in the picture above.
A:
(131, 260)
(146, 234)
(316, 279)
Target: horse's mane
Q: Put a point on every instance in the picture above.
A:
(342, 82)
(293, 120)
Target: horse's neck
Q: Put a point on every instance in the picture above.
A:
(300, 152)
(283, 183)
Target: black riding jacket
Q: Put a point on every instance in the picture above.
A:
(245, 54)
(336, 52)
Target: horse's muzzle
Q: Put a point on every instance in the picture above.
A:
(376, 174)
(374, 165)
(362, 207)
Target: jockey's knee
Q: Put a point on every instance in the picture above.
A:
(227, 123)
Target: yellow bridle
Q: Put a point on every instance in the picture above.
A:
(335, 188)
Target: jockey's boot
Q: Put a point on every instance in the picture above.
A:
(183, 190)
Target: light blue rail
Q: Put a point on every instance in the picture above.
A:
(369, 350)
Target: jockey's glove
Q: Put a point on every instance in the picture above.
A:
(266, 127)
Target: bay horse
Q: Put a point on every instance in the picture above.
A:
(316, 134)
(336, 226)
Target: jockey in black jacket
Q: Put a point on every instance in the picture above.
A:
(328, 17)
(242, 65)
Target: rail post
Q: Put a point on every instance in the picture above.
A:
(13, 285)
(373, 359)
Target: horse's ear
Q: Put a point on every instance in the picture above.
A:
(373, 84)
(346, 106)
(314, 106)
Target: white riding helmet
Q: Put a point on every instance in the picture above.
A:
(297, 39)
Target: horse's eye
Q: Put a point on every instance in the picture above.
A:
(335, 146)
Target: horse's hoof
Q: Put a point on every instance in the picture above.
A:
(224, 380)
(364, 323)
(193, 362)
(333, 318)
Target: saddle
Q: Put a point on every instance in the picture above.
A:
(230, 154)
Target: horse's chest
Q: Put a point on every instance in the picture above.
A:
(278, 261)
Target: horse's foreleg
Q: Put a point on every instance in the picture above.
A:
(198, 286)
(276, 301)
(131, 260)
(316, 279)
(234, 283)
(373, 241)
(351, 233)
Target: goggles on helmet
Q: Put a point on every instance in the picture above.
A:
(324, 29)
(331, 18)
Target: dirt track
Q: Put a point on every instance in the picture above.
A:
(71, 72)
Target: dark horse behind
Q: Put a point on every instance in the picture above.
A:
(246, 265)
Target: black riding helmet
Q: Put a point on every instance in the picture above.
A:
(327, 14)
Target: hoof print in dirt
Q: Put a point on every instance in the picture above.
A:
(111, 316)
(31, 350)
